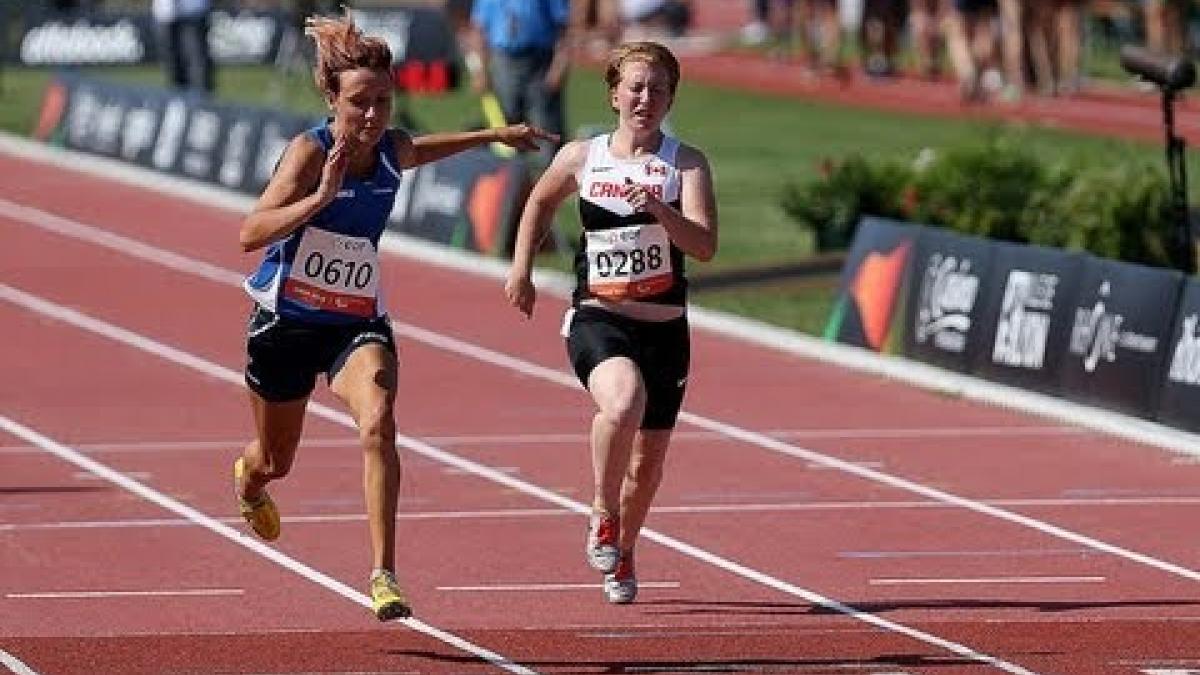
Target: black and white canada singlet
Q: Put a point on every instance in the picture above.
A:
(626, 256)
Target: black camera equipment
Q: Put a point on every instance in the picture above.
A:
(1171, 74)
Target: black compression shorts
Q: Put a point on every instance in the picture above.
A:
(661, 350)
(286, 356)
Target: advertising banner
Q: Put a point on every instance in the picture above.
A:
(40, 36)
(945, 305)
(868, 311)
(469, 200)
(1120, 335)
(1179, 401)
(1028, 314)
(169, 131)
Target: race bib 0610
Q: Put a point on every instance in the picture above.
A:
(335, 273)
(628, 263)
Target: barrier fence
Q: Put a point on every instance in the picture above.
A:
(1117, 335)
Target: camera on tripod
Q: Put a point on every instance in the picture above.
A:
(1169, 72)
(1172, 74)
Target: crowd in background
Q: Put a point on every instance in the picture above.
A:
(995, 49)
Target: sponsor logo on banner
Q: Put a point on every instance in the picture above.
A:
(137, 134)
(243, 38)
(1024, 324)
(433, 196)
(270, 149)
(200, 142)
(1098, 334)
(393, 27)
(82, 41)
(949, 289)
(1185, 364)
(236, 158)
(170, 135)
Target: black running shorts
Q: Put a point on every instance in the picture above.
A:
(285, 356)
(661, 350)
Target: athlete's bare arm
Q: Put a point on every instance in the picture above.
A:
(304, 182)
(556, 184)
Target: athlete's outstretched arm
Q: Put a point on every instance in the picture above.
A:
(555, 185)
(304, 182)
(432, 147)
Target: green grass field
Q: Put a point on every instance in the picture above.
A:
(756, 144)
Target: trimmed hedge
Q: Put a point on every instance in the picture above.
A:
(1000, 189)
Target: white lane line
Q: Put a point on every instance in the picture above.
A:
(695, 509)
(14, 664)
(204, 520)
(574, 438)
(933, 581)
(174, 355)
(1004, 553)
(73, 595)
(550, 587)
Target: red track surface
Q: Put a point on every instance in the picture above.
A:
(1013, 595)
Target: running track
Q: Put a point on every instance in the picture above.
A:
(814, 519)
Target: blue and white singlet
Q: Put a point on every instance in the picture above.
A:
(327, 271)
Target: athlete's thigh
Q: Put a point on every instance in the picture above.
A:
(279, 425)
(367, 382)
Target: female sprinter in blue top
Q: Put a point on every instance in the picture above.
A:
(316, 292)
(645, 201)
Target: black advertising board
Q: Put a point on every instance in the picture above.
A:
(468, 200)
(1120, 335)
(1179, 400)
(169, 131)
(945, 304)
(41, 36)
(1027, 315)
(870, 303)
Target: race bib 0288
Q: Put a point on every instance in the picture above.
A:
(628, 263)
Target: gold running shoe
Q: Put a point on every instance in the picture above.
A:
(387, 599)
(262, 514)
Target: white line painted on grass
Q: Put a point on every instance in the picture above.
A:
(208, 522)
(15, 665)
(177, 356)
(75, 595)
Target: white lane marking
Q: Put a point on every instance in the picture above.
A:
(73, 595)
(15, 665)
(1006, 553)
(159, 447)
(987, 580)
(550, 587)
(572, 438)
(172, 354)
(204, 520)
